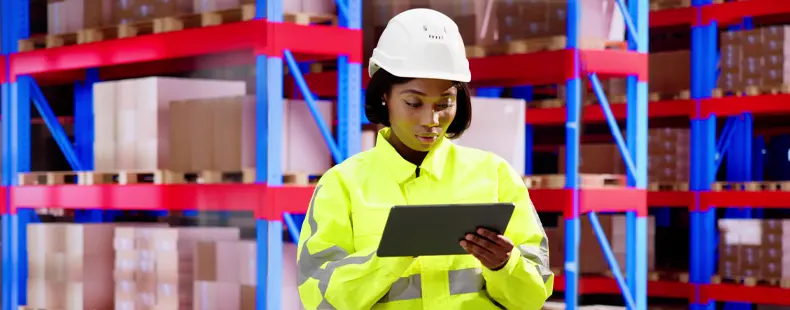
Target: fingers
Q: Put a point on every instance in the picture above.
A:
(500, 240)
(483, 242)
(486, 257)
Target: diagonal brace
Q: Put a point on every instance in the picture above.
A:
(629, 23)
(609, 254)
(723, 144)
(58, 133)
(613, 126)
(308, 97)
(342, 8)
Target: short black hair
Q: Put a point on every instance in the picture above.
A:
(381, 83)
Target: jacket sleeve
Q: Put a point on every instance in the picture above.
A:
(526, 280)
(332, 274)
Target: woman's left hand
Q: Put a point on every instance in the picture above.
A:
(491, 249)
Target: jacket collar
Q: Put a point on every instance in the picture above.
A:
(400, 169)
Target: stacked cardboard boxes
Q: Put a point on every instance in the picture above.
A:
(668, 149)
(147, 266)
(132, 130)
(154, 266)
(592, 259)
(669, 155)
(225, 274)
(669, 75)
(70, 266)
(187, 125)
(754, 58)
(754, 248)
(219, 134)
(670, 72)
(486, 22)
(68, 16)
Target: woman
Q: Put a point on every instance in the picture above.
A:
(418, 91)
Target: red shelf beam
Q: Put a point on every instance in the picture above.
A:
(601, 285)
(672, 199)
(733, 12)
(594, 113)
(177, 197)
(538, 68)
(256, 35)
(759, 199)
(673, 17)
(728, 106)
(773, 295)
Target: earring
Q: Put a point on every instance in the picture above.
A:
(383, 103)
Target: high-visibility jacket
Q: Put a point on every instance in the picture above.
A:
(337, 262)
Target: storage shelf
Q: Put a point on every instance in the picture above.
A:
(254, 36)
(723, 13)
(550, 67)
(176, 197)
(724, 106)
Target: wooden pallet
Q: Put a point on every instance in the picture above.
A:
(655, 6)
(165, 24)
(300, 179)
(668, 186)
(751, 281)
(752, 91)
(683, 95)
(551, 43)
(318, 67)
(125, 177)
(554, 181)
(546, 103)
(782, 186)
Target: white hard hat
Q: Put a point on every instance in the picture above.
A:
(421, 43)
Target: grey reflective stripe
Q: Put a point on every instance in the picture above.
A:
(540, 259)
(539, 256)
(310, 264)
(405, 288)
(465, 281)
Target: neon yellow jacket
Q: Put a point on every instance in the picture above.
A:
(337, 262)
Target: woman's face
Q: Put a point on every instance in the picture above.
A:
(421, 110)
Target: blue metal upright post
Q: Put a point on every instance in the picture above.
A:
(16, 154)
(572, 124)
(349, 103)
(703, 154)
(269, 144)
(84, 133)
(7, 175)
(636, 137)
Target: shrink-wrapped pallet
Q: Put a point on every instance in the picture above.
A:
(155, 266)
(132, 118)
(70, 266)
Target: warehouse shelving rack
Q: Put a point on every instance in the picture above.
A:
(269, 38)
(133, 56)
(266, 38)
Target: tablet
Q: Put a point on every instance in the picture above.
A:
(423, 230)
